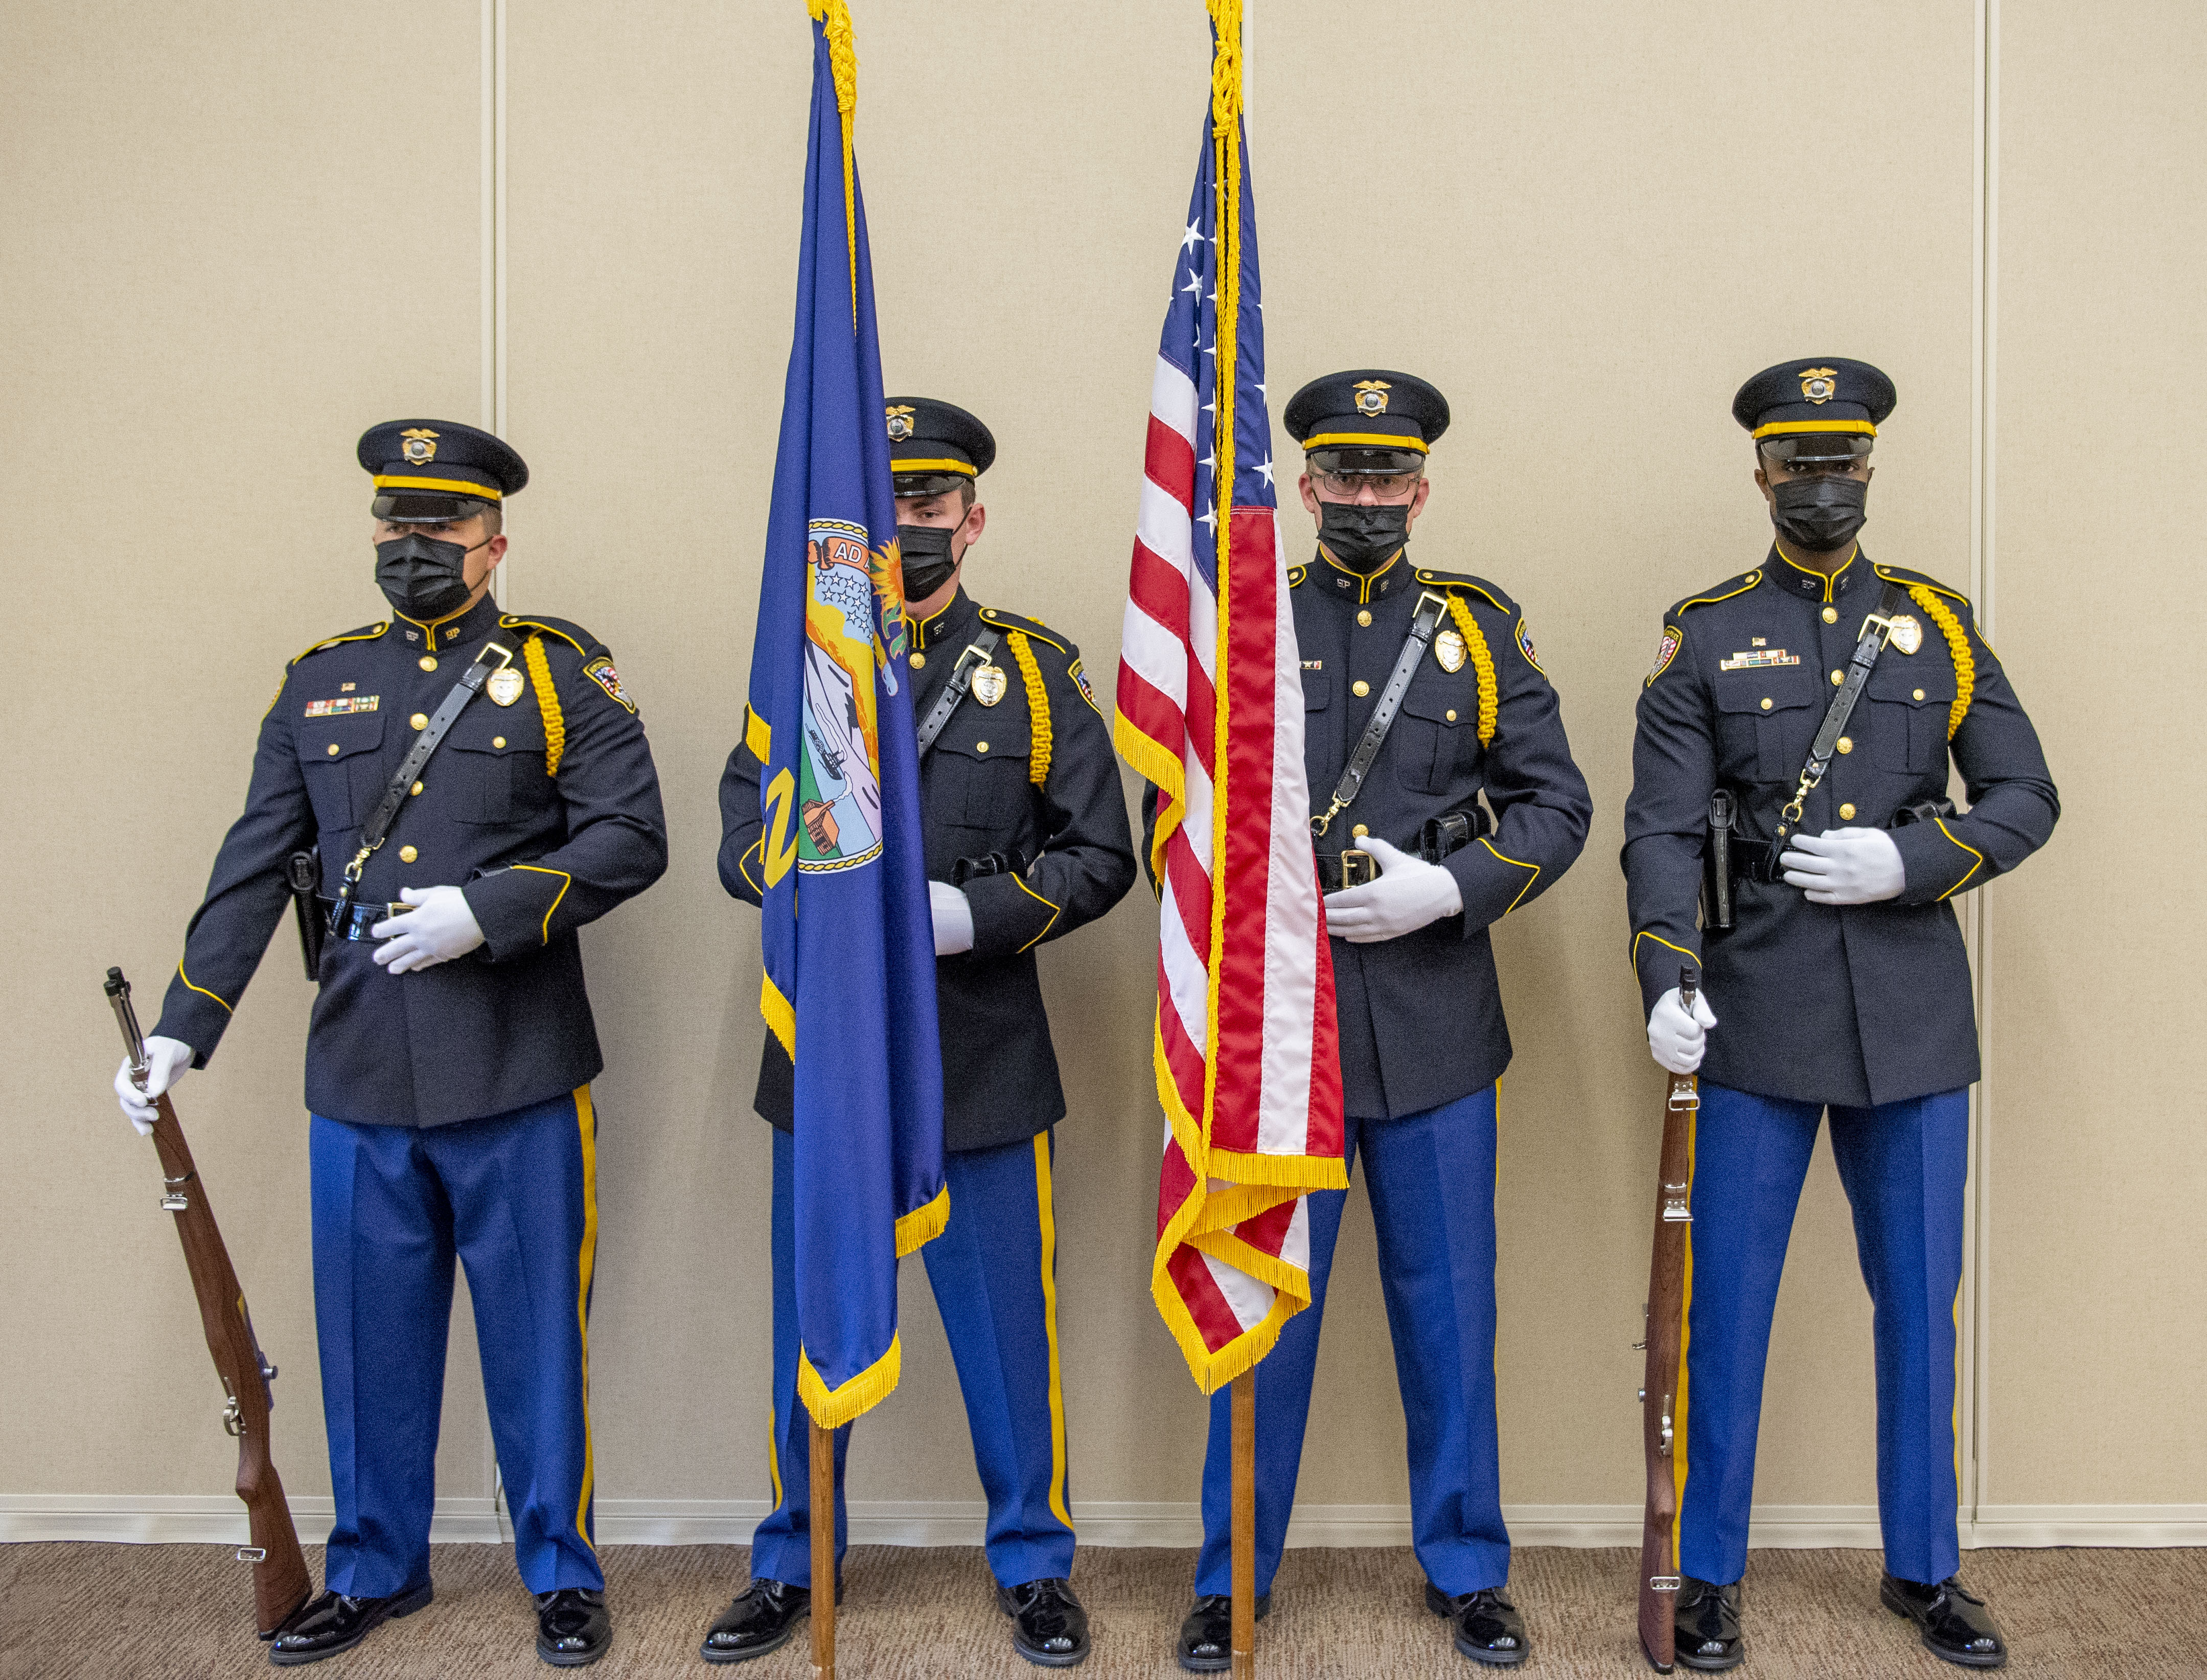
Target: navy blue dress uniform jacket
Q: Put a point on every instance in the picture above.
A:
(1858, 1004)
(1420, 1020)
(1067, 833)
(546, 812)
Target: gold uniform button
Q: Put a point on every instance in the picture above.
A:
(1766, 702)
(1364, 617)
(333, 749)
(1360, 830)
(420, 719)
(498, 741)
(1846, 813)
(918, 660)
(1452, 714)
(1360, 688)
(980, 746)
(1837, 677)
(1847, 743)
(407, 854)
(1919, 694)
(429, 663)
(416, 788)
(1831, 615)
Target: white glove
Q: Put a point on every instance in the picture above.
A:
(438, 928)
(1676, 1039)
(1409, 893)
(953, 918)
(168, 1060)
(1844, 866)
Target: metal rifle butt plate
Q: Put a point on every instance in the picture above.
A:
(1663, 1583)
(252, 1554)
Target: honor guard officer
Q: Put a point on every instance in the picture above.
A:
(1421, 692)
(1027, 839)
(479, 787)
(1794, 746)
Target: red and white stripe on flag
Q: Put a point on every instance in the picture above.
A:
(1247, 1064)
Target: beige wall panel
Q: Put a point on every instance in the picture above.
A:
(231, 245)
(2098, 1169)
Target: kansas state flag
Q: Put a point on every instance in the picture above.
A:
(850, 948)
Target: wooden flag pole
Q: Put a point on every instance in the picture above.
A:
(823, 1518)
(1245, 1525)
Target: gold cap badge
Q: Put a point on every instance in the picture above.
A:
(900, 423)
(1371, 395)
(420, 445)
(1820, 385)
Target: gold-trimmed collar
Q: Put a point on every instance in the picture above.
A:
(930, 629)
(1364, 583)
(429, 630)
(1814, 585)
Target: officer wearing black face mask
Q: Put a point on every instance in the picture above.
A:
(450, 1053)
(1027, 839)
(1445, 798)
(1790, 834)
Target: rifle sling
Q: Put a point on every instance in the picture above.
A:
(978, 652)
(496, 655)
(1423, 623)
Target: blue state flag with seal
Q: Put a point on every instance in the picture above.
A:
(849, 987)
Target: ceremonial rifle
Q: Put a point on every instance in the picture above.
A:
(1666, 1289)
(280, 1582)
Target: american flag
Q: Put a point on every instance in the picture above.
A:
(1246, 1065)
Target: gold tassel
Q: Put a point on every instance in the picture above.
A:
(1482, 661)
(1038, 707)
(547, 702)
(1958, 643)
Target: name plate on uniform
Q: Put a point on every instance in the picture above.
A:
(1757, 658)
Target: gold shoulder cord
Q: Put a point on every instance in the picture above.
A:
(1482, 661)
(547, 702)
(1038, 707)
(1958, 644)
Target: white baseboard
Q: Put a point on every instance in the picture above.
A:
(213, 1519)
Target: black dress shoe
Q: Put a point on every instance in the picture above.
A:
(1049, 1626)
(761, 1618)
(1206, 1638)
(573, 1628)
(1956, 1623)
(1485, 1625)
(1705, 1625)
(330, 1622)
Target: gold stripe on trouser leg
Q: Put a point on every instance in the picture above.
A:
(1685, 1337)
(1046, 1217)
(773, 1452)
(587, 1119)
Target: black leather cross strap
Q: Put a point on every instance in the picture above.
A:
(496, 655)
(1876, 628)
(1423, 623)
(961, 680)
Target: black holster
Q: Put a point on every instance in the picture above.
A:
(1438, 836)
(302, 873)
(994, 863)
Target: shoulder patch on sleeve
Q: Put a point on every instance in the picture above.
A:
(1525, 646)
(1080, 681)
(1666, 649)
(600, 671)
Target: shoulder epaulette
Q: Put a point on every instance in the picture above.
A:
(365, 633)
(1738, 586)
(1034, 627)
(566, 630)
(1894, 574)
(1296, 574)
(1457, 580)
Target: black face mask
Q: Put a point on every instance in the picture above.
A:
(927, 562)
(1820, 513)
(1363, 538)
(422, 577)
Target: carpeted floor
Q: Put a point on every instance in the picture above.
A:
(152, 1612)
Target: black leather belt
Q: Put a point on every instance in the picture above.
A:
(358, 918)
(1437, 837)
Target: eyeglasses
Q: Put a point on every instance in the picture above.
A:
(1388, 487)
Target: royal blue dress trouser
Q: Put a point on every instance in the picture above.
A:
(1903, 1165)
(1432, 1180)
(994, 1271)
(514, 1199)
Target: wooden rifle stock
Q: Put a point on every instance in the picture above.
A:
(280, 1581)
(1666, 1289)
